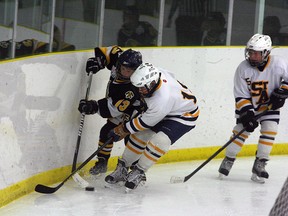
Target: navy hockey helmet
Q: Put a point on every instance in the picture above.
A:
(129, 58)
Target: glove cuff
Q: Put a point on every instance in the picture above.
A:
(280, 93)
(94, 106)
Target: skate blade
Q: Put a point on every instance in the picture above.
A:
(140, 185)
(99, 176)
(257, 179)
(114, 186)
(221, 176)
(128, 190)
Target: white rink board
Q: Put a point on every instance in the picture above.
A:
(39, 99)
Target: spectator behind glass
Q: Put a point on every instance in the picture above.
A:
(32, 46)
(191, 14)
(214, 31)
(284, 35)
(134, 32)
(90, 8)
(271, 27)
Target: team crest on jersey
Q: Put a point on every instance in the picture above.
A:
(129, 94)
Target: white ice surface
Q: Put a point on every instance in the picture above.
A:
(203, 194)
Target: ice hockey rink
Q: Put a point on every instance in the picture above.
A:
(203, 194)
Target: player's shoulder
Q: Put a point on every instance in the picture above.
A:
(244, 63)
(276, 59)
(165, 72)
(114, 49)
(243, 66)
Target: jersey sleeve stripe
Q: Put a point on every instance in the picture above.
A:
(285, 86)
(137, 124)
(195, 113)
(243, 103)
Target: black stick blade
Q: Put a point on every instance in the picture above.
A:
(46, 190)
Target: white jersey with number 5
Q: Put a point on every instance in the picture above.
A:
(252, 87)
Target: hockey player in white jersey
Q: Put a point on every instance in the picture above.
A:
(260, 81)
(172, 112)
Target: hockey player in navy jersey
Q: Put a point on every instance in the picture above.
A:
(260, 81)
(171, 112)
(122, 98)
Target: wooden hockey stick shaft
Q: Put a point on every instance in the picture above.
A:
(49, 190)
(82, 118)
(186, 178)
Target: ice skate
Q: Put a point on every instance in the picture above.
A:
(135, 178)
(99, 168)
(133, 165)
(119, 175)
(257, 179)
(225, 167)
(258, 171)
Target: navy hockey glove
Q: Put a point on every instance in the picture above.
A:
(118, 133)
(88, 107)
(277, 98)
(93, 65)
(248, 120)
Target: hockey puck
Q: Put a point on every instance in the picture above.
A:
(89, 188)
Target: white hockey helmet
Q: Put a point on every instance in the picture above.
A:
(258, 42)
(146, 75)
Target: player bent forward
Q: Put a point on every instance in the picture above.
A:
(121, 100)
(260, 81)
(171, 113)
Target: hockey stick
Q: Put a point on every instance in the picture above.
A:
(81, 124)
(77, 178)
(49, 190)
(177, 179)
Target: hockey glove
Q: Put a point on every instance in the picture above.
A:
(277, 98)
(88, 107)
(93, 65)
(118, 133)
(248, 120)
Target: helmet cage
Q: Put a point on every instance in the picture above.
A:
(258, 43)
(264, 57)
(150, 88)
